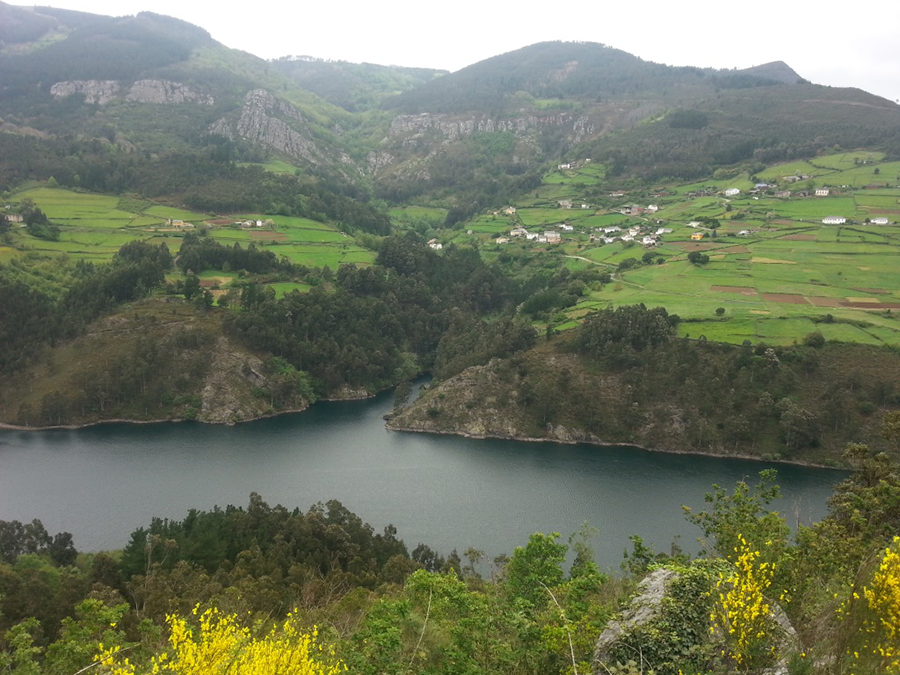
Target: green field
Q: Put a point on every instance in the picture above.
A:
(776, 285)
(93, 227)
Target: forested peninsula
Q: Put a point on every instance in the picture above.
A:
(622, 378)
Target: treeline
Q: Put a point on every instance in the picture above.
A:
(623, 377)
(380, 609)
(198, 253)
(379, 325)
(32, 318)
(207, 179)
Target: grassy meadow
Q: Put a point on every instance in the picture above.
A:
(775, 273)
(93, 227)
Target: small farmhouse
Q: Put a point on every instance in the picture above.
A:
(435, 245)
(879, 221)
(731, 192)
(697, 236)
(822, 192)
(834, 220)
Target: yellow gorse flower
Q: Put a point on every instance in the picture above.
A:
(883, 599)
(220, 645)
(741, 613)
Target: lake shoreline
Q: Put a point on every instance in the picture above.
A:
(605, 444)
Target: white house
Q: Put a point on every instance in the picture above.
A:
(502, 240)
(664, 230)
(565, 228)
(611, 229)
(435, 245)
(552, 237)
(510, 210)
(648, 241)
(565, 204)
(628, 237)
(731, 192)
(834, 220)
(652, 208)
(563, 166)
(744, 233)
(879, 221)
(694, 223)
(822, 192)
(518, 232)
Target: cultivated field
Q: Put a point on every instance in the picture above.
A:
(775, 269)
(93, 227)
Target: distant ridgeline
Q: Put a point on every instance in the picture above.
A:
(79, 90)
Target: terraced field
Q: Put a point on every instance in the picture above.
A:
(93, 227)
(778, 272)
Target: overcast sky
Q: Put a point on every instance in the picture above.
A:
(825, 42)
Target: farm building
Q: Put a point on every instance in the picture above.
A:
(731, 192)
(879, 221)
(834, 220)
(822, 192)
(510, 210)
(435, 245)
(697, 236)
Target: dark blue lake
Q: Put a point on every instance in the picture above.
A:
(103, 482)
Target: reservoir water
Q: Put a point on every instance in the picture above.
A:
(103, 482)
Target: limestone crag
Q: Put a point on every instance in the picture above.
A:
(262, 120)
(101, 92)
(410, 127)
(96, 92)
(163, 91)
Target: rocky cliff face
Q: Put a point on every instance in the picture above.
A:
(101, 92)
(96, 92)
(163, 91)
(272, 123)
(410, 127)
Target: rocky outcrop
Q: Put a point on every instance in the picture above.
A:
(667, 623)
(101, 92)
(409, 127)
(223, 397)
(263, 120)
(643, 608)
(96, 92)
(163, 91)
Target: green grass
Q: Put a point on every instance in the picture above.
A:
(93, 227)
(790, 253)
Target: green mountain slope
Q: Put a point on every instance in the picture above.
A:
(155, 83)
(353, 86)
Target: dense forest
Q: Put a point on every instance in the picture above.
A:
(623, 377)
(365, 602)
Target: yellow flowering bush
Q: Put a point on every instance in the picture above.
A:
(883, 598)
(742, 614)
(220, 645)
